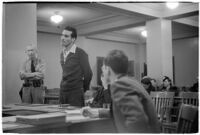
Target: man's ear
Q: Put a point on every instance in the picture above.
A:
(73, 39)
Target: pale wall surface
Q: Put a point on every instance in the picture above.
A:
(19, 31)
(186, 53)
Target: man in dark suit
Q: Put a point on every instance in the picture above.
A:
(77, 73)
(132, 108)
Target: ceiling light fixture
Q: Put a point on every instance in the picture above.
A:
(56, 18)
(172, 5)
(144, 33)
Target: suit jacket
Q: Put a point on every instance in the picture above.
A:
(132, 108)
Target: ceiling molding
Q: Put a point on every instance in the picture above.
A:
(184, 15)
(182, 28)
(184, 35)
(115, 10)
(187, 21)
(118, 34)
(94, 20)
(110, 37)
(133, 8)
(109, 27)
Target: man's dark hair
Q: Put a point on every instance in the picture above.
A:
(167, 78)
(146, 81)
(118, 61)
(73, 30)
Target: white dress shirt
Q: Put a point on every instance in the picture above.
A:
(66, 53)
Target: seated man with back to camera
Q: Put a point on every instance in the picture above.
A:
(132, 108)
(32, 72)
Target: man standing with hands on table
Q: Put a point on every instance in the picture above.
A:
(132, 108)
(77, 74)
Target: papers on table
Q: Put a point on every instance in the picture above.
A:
(73, 112)
(10, 125)
(40, 119)
(75, 116)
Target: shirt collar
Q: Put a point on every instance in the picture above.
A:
(34, 59)
(72, 49)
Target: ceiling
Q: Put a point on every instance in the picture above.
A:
(118, 21)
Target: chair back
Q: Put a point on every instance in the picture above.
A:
(162, 100)
(189, 98)
(188, 119)
(52, 96)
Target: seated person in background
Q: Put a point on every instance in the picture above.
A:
(185, 89)
(145, 77)
(146, 82)
(132, 108)
(102, 97)
(32, 72)
(89, 97)
(195, 87)
(167, 86)
(154, 84)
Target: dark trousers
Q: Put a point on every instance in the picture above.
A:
(73, 97)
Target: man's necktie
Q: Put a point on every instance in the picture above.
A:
(36, 83)
(32, 66)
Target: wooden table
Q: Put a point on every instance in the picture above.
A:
(73, 123)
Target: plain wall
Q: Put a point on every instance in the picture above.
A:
(185, 52)
(50, 48)
(19, 31)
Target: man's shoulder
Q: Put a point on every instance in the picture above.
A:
(127, 80)
(80, 50)
(40, 60)
(128, 83)
(25, 60)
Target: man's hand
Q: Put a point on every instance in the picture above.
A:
(38, 75)
(89, 112)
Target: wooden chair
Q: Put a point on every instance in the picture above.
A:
(162, 100)
(189, 98)
(185, 98)
(52, 96)
(187, 121)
